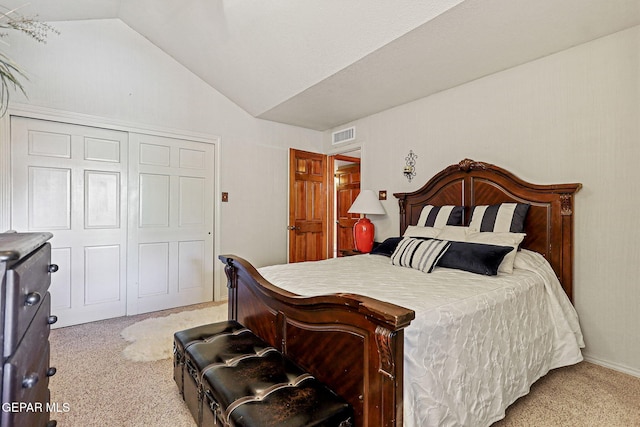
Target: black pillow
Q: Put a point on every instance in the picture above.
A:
(387, 247)
(474, 257)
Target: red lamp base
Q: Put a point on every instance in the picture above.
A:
(363, 232)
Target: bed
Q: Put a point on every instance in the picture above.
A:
(402, 358)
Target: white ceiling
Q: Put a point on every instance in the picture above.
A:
(323, 63)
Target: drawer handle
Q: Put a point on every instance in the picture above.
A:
(53, 268)
(30, 381)
(52, 319)
(32, 299)
(51, 371)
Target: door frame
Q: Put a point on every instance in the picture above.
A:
(331, 203)
(337, 154)
(45, 113)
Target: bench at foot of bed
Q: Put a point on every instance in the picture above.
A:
(228, 375)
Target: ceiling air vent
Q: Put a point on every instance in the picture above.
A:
(344, 135)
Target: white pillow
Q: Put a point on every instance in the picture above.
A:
(417, 231)
(453, 233)
(500, 239)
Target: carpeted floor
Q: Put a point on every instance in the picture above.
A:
(583, 395)
(102, 388)
(99, 387)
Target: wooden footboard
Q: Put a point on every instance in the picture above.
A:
(352, 343)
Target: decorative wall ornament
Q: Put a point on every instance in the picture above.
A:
(467, 164)
(410, 168)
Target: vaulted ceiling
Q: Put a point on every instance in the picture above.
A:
(322, 63)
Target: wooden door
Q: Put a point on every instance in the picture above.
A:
(347, 189)
(71, 180)
(308, 193)
(170, 223)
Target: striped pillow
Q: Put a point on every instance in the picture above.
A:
(504, 217)
(420, 254)
(439, 216)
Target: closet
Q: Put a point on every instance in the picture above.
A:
(131, 216)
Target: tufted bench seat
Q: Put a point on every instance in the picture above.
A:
(228, 375)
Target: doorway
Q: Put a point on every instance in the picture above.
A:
(346, 189)
(319, 225)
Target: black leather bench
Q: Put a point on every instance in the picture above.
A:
(229, 376)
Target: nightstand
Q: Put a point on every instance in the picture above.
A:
(349, 252)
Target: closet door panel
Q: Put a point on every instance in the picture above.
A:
(71, 180)
(171, 223)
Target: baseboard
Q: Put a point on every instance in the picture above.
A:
(611, 365)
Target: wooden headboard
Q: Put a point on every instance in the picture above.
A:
(549, 222)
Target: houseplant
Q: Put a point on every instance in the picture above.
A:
(11, 74)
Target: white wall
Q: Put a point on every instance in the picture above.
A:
(104, 69)
(570, 117)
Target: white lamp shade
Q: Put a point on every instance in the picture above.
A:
(367, 203)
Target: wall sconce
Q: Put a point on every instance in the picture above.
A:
(410, 168)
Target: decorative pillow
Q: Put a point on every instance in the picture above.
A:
(387, 247)
(504, 217)
(421, 254)
(501, 239)
(417, 231)
(453, 233)
(474, 257)
(439, 216)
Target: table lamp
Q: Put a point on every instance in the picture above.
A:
(366, 203)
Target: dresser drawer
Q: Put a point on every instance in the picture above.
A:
(26, 375)
(26, 287)
(26, 390)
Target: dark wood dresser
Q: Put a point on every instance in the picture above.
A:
(25, 268)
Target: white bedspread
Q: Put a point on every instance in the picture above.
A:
(477, 342)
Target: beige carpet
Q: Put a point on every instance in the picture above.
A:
(102, 388)
(583, 395)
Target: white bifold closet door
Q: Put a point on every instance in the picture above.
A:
(72, 181)
(170, 223)
(131, 215)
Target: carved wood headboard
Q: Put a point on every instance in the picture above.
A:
(549, 222)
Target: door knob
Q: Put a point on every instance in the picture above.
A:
(292, 227)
